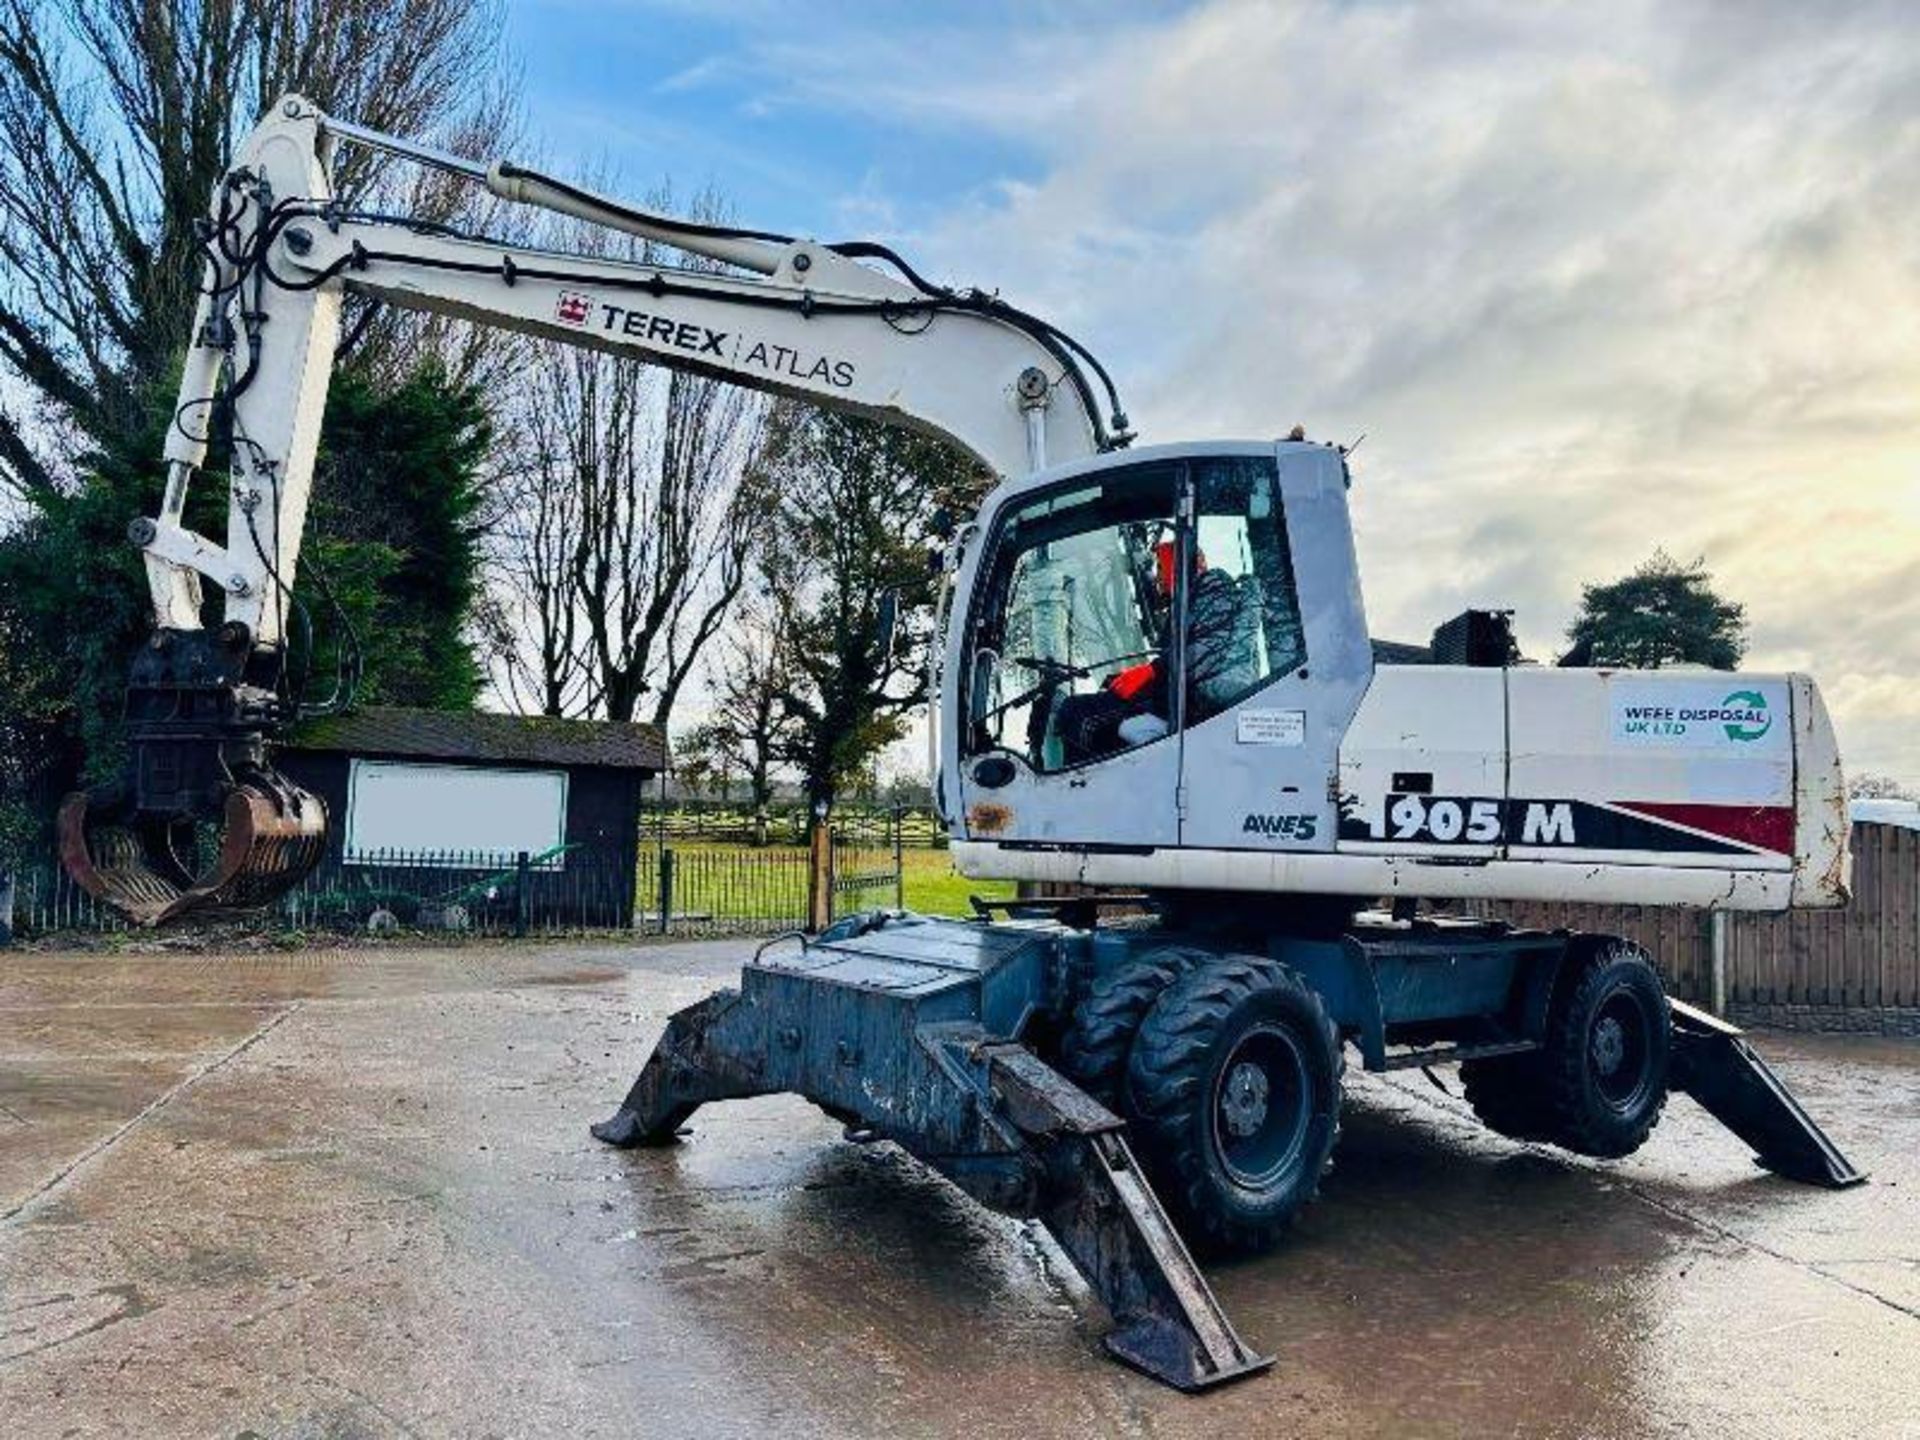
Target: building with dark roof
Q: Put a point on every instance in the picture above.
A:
(437, 791)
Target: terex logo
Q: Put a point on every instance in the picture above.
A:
(573, 308)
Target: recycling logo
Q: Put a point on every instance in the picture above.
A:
(1747, 717)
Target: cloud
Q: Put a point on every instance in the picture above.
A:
(1591, 279)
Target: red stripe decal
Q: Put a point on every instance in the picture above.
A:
(1767, 827)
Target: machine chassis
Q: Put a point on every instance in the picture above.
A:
(946, 1037)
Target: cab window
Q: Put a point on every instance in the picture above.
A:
(1069, 640)
(1244, 628)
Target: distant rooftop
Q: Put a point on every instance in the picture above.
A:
(1904, 813)
(1394, 652)
(482, 736)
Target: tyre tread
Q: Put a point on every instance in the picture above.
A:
(1168, 1067)
(1505, 1093)
(1575, 1125)
(1100, 1038)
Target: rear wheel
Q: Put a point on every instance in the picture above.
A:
(1234, 1083)
(1609, 1040)
(1507, 1093)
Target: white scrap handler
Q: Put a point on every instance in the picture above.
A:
(1156, 675)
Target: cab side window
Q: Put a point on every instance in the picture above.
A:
(1244, 629)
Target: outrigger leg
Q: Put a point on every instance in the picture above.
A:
(1713, 1063)
(685, 1071)
(982, 1110)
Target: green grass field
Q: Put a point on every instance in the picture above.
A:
(933, 887)
(725, 881)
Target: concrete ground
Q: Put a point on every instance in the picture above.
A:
(351, 1193)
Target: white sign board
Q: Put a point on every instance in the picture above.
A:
(1729, 715)
(430, 810)
(1272, 727)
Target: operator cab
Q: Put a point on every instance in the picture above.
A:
(1124, 612)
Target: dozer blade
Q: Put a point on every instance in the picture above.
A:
(271, 840)
(1716, 1066)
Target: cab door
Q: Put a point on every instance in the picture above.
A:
(1068, 731)
(1276, 655)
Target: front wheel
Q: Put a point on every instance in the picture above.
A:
(1234, 1083)
(1105, 1023)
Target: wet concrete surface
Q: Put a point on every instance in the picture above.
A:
(351, 1193)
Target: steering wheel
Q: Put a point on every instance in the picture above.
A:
(1052, 671)
(1053, 674)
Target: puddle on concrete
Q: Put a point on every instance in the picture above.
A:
(397, 1196)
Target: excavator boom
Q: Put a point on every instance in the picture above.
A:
(782, 315)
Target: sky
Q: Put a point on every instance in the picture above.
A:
(1589, 279)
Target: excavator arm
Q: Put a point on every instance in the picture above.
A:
(787, 316)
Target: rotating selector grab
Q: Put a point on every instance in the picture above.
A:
(199, 820)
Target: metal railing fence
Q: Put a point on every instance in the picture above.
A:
(669, 887)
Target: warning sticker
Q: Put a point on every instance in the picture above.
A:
(1272, 727)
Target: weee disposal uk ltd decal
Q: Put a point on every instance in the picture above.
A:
(1732, 716)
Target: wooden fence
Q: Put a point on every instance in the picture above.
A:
(1864, 957)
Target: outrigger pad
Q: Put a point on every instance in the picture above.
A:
(688, 1068)
(1713, 1063)
(1167, 1322)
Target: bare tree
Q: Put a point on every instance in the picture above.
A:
(1868, 786)
(117, 117)
(751, 726)
(703, 764)
(638, 509)
(530, 617)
